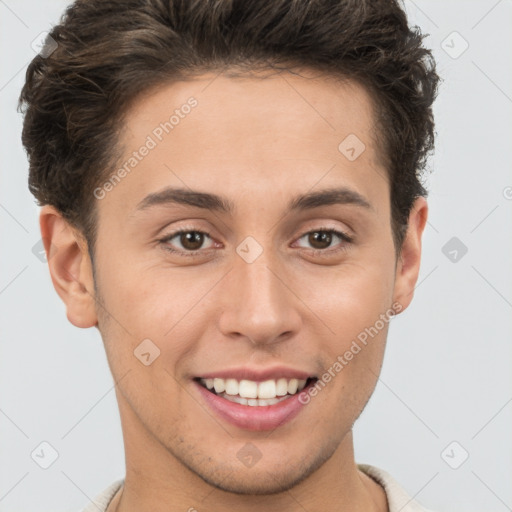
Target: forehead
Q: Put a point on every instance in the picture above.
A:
(253, 133)
(284, 101)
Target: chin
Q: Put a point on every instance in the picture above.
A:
(263, 478)
(256, 482)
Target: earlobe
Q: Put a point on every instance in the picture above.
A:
(408, 263)
(70, 267)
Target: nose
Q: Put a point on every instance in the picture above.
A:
(258, 302)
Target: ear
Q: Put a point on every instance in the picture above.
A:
(70, 267)
(408, 264)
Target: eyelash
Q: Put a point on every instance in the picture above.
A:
(316, 252)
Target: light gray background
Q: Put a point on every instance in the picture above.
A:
(447, 370)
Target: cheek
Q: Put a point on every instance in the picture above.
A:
(353, 303)
(164, 306)
(137, 297)
(350, 298)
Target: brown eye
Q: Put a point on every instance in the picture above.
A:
(186, 242)
(192, 240)
(320, 239)
(324, 240)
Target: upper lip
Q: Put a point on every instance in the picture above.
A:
(257, 374)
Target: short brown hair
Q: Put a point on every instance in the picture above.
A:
(110, 51)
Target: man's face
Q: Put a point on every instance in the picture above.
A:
(255, 293)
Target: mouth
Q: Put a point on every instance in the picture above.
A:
(254, 405)
(255, 393)
(253, 398)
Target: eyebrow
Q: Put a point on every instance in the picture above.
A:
(214, 202)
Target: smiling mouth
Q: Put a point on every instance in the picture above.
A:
(255, 394)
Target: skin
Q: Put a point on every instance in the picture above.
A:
(257, 141)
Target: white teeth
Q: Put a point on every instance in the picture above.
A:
(281, 387)
(267, 389)
(248, 389)
(253, 393)
(219, 385)
(231, 387)
(237, 399)
(253, 402)
(292, 386)
(262, 402)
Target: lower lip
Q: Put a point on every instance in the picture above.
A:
(266, 417)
